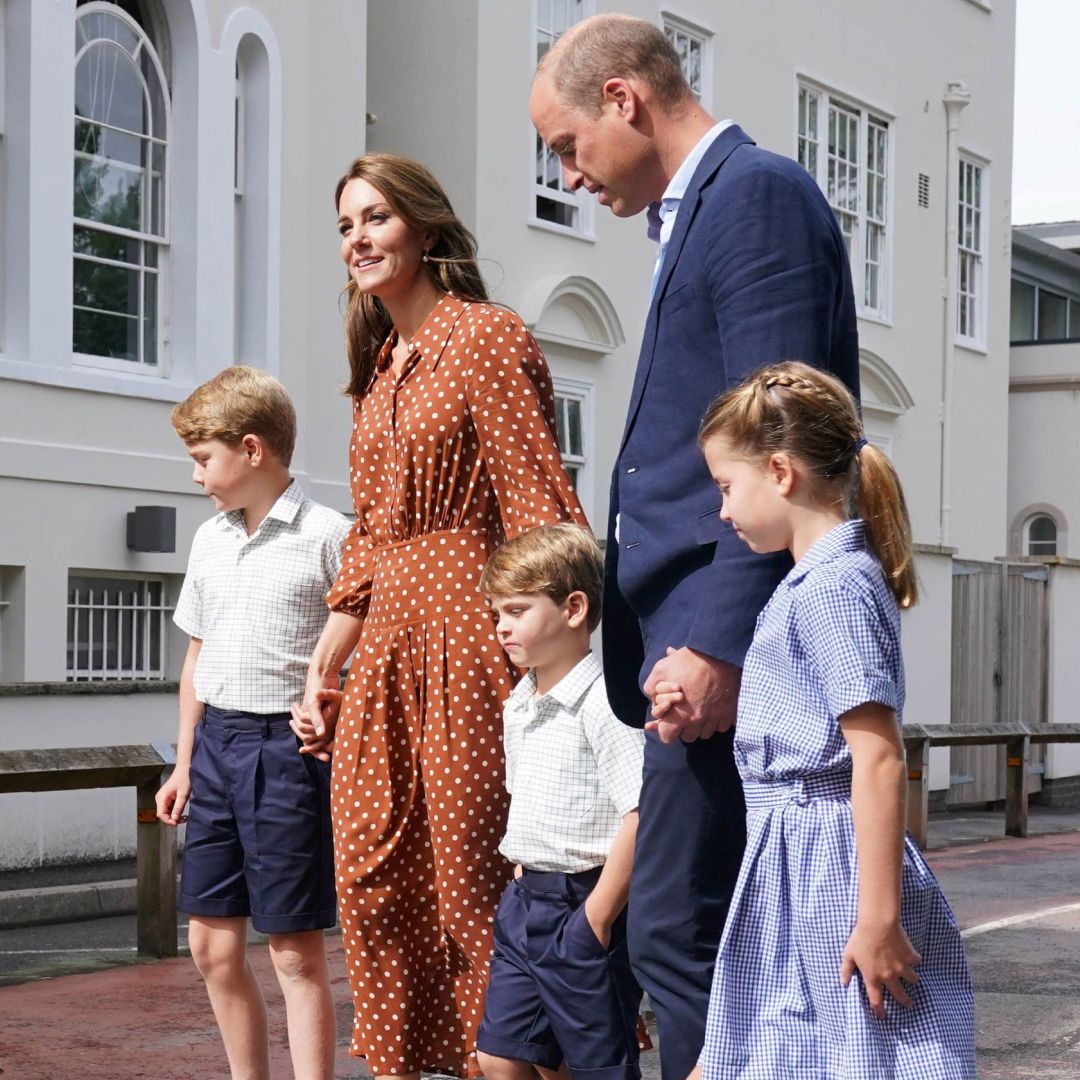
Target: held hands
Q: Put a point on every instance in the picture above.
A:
(313, 721)
(172, 799)
(694, 696)
(885, 959)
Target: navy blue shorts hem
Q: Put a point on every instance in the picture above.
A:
(547, 1057)
(215, 909)
(295, 924)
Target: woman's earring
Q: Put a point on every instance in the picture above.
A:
(425, 258)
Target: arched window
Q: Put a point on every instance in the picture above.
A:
(121, 197)
(1040, 535)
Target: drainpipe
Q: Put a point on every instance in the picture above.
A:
(956, 98)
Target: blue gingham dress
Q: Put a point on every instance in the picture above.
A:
(827, 641)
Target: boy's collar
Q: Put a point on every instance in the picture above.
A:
(285, 508)
(569, 690)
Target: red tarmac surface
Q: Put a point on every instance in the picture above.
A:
(153, 1020)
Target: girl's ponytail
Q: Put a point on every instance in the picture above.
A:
(879, 501)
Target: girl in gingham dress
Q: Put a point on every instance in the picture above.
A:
(840, 957)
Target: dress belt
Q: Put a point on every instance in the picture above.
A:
(769, 794)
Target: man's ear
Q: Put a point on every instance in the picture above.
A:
(621, 94)
(781, 470)
(577, 609)
(253, 448)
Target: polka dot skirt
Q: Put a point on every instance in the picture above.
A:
(446, 460)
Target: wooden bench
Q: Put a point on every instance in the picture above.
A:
(1018, 740)
(143, 767)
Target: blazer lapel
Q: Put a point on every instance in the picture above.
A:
(714, 157)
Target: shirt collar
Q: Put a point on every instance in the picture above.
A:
(568, 691)
(285, 508)
(432, 335)
(680, 182)
(842, 538)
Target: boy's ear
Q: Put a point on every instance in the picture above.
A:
(253, 447)
(577, 609)
(781, 470)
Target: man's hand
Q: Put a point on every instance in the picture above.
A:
(710, 695)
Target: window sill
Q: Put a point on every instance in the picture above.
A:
(872, 317)
(561, 230)
(971, 346)
(73, 376)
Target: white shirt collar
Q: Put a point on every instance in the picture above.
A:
(676, 189)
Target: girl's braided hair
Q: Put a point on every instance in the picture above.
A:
(796, 409)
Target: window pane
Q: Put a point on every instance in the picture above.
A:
(1052, 314)
(559, 213)
(573, 423)
(105, 245)
(1042, 535)
(108, 89)
(111, 194)
(1022, 312)
(1074, 319)
(98, 334)
(106, 288)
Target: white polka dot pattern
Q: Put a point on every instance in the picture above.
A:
(445, 461)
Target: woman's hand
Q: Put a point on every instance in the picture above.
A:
(314, 720)
(885, 959)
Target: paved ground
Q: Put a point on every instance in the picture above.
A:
(1018, 901)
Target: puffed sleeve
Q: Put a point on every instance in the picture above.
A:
(352, 590)
(512, 405)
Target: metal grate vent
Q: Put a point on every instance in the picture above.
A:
(924, 190)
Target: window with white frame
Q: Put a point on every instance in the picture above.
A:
(554, 204)
(970, 267)
(845, 147)
(120, 190)
(694, 46)
(117, 628)
(574, 431)
(1040, 535)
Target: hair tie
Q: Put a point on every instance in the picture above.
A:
(857, 445)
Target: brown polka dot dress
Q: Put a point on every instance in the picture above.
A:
(446, 460)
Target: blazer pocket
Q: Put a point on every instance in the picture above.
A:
(709, 526)
(682, 296)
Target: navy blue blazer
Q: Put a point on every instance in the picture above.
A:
(755, 271)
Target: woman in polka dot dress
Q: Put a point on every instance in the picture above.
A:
(452, 451)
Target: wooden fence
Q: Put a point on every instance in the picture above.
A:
(143, 767)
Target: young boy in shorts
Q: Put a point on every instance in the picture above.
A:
(561, 998)
(258, 839)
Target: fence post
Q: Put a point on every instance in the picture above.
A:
(155, 869)
(918, 789)
(1017, 754)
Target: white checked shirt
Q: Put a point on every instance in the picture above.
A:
(572, 769)
(258, 602)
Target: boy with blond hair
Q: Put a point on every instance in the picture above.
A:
(258, 839)
(561, 998)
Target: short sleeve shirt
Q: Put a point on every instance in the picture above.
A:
(827, 642)
(573, 771)
(258, 602)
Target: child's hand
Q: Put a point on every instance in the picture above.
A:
(316, 733)
(172, 799)
(885, 960)
(665, 696)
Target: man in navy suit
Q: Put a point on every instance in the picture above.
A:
(751, 269)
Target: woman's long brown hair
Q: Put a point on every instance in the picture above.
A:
(419, 200)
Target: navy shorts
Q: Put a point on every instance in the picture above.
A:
(555, 993)
(259, 840)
